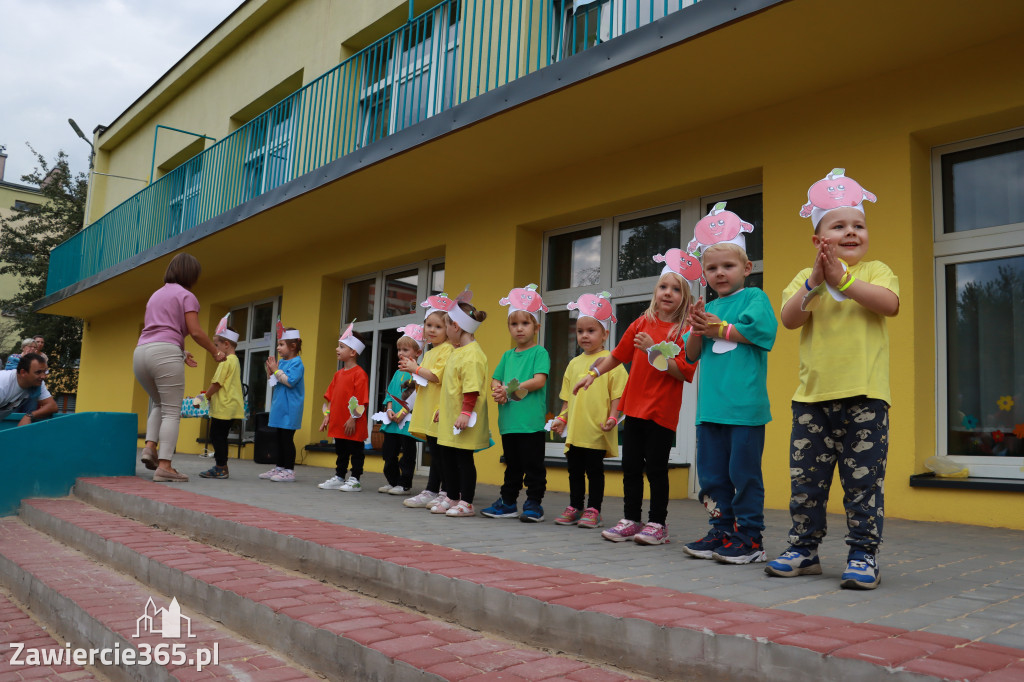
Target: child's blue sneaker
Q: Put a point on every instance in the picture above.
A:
(795, 561)
(740, 549)
(861, 571)
(532, 512)
(501, 510)
(703, 548)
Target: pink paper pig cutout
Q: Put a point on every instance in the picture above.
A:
(525, 298)
(683, 264)
(717, 227)
(835, 190)
(595, 306)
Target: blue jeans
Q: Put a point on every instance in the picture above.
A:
(729, 470)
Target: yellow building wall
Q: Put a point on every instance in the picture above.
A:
(880, 129)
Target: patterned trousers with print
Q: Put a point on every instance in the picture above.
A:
(853, 433)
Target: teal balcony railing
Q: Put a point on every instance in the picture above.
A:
(451, 53)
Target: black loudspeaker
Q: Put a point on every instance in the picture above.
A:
(264, 444)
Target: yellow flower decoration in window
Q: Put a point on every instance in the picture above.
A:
(1005, 403)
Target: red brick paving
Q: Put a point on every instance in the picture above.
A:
(833, 636)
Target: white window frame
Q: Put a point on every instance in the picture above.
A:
(970, 246)
(404, 67)
(637, 290)
(370, 330)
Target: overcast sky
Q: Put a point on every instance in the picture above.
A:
(87, 60)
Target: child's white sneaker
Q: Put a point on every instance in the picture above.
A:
(332, 483)
(267, 475)
(352, 485)
(284, 476)
(384, 488)
(424, 499)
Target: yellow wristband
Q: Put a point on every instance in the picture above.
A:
(593, 373)
(850, 279)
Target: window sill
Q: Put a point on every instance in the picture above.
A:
(930, 480)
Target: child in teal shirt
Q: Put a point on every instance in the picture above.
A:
(399, 449)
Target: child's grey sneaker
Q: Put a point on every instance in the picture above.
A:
(861, 571)
(795, 561)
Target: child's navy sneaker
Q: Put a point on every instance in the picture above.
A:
(795, 561)
(703, 548)
(501, 510)
(861, 571)
(739, 549)
(532, 512)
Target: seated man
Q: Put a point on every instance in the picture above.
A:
(23, 390)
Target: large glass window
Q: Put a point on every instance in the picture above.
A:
(255, 324)
(615, 254)
(268, 150)
(979, 248)
(409, 76)
(589, 22)
(378, 317)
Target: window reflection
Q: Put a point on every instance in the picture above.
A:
(640, 239)
(574, 259)
(983, 187)
(984, 331)
(400, 293)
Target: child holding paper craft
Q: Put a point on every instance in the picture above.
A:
(589, 419)
(462, 417)
(399, 447)
(841, 409)
(286, 376)
(731, 337)
(519, 386)
(428, 377)
(225, 395)
(651, 398)
(345, 414)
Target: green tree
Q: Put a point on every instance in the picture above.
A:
(25, 243)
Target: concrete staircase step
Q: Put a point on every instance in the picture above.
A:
(660, 632)
(333, 631)
(93, 606)
(36, 651)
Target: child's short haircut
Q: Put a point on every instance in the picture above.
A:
(736, 250)
(234, 344)
(522, 316)
(294, 344)
(408, 342)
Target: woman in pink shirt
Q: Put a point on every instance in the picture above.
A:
(171, 313)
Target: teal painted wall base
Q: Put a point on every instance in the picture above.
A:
(44, 459)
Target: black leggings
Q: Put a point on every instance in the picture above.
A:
(349, 448)
(436, 479)
(285, 447)
(524, 466)
(645, 448)
(399, 459)
(459, 474)
(585, 464)
(219, 429)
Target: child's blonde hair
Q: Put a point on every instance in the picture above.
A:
(408, 342)
(678, 316)
(736, 250)
(523, 316)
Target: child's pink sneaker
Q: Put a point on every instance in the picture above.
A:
(568, 517)
(267, 475)
(591, 518)
(652, 534)
(622, 531)
(441, 504)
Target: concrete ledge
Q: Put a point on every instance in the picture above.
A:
(340, 635)
(633, 627)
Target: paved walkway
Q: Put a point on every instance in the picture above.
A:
(957, 580)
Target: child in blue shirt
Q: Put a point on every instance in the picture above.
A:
(287, 378)
(731, 337)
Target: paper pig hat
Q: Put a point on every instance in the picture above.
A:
(223, 332)
(719, 227)
(440, 303)
(351, 341)
(467, 323)
(596, 306)
(526, 299)
(682, 264)
(414, 332)
(834, 191)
